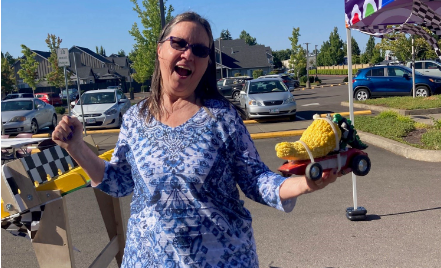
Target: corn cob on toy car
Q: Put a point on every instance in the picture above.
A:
(323, 146)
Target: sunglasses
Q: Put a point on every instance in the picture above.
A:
(180, 44)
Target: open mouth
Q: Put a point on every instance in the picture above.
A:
(183, 71)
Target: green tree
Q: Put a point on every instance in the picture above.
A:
(377, 56)
(121, 53)
(225, 35)
(297, 59)
(336, 49)
(248, 38)
(400, 45)
(56, 76)
(323, 57)
(8, 77)
(279, 56)
(144, 49)
(29, 66)
(370, 47)
(11, 60)
(354, 48)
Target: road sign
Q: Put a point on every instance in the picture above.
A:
(63, 57)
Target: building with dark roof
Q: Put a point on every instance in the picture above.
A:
(239, 57)
(44, 67)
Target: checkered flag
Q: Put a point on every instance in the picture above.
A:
(431, 20)
(24, 224)
(47, 162)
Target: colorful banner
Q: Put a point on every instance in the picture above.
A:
(357, 10)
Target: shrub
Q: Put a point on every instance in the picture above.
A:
(303, 79)
(257, 73)
(345, 79)
(316, 79)
(432, 139)
(60, 110)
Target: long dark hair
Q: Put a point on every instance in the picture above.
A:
(207, 87)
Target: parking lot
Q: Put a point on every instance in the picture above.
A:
(400, 195)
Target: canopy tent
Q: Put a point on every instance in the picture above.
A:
(374, 16)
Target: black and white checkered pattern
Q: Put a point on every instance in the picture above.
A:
(431, 20)
(49, 161)
(37, 166)
(24, 224)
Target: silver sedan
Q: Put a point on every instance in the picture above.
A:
(267, 97)
(27, 115)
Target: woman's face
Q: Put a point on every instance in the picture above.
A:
(181, 71)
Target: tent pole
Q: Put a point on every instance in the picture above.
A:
(413, 68)
(355, 213)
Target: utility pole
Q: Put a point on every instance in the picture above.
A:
(220, 57)
(161, 8)
(308, 85)
(316, 69)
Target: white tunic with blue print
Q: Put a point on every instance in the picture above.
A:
(185, 210)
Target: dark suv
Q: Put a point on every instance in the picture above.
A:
(381, 81)
(289, 82)
(231, 86)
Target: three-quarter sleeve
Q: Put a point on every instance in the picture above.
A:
(117, 180)
(254, 178)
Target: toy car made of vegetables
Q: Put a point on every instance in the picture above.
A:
(351, 159)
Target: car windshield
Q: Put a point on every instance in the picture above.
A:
(16, 106)
(267, 87)
(98, 98)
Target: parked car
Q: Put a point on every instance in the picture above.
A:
(382, 81)
(427, 67)
(19, 95)
(267, 97)
(50, 98)
(114, 87)
(102, 108)
(27, 115)
(289, 82)
(73, 92)
(231, 86)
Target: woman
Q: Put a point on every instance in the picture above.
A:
(181, 152)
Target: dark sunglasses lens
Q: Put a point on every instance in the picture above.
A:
(178, 44)
(200, 51)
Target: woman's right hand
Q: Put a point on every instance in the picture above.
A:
(68, 134)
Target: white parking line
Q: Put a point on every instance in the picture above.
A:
(311, 104)
(301, 118)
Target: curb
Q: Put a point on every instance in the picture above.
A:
(401, 149)
(332, 85)
(400, 111)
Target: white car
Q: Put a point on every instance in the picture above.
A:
(102, 108)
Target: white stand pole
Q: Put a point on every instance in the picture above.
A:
(67, 92)
(413, 68)
(80, 100)
(356, 213)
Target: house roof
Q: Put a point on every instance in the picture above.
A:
(83, 72)
(93, 54)
(121, 61)
(236, 54)
(43, 54)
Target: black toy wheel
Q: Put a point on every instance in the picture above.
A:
(361, 165)
(314, 171)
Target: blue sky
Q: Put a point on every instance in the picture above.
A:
(91, 23)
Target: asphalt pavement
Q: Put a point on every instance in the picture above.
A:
(401, 196)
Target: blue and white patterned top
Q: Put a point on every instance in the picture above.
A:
(185, 210)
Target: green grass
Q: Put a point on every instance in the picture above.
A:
(393, 126)
(406, 103)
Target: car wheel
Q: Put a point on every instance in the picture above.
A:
(236, 95)
(361, 165)
(422, 91)
(293, 117)
(314, 171)
(362, 94)
(54, 122)
(34, 126)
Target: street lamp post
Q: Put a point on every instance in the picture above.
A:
(316, 69)
(308, 85)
